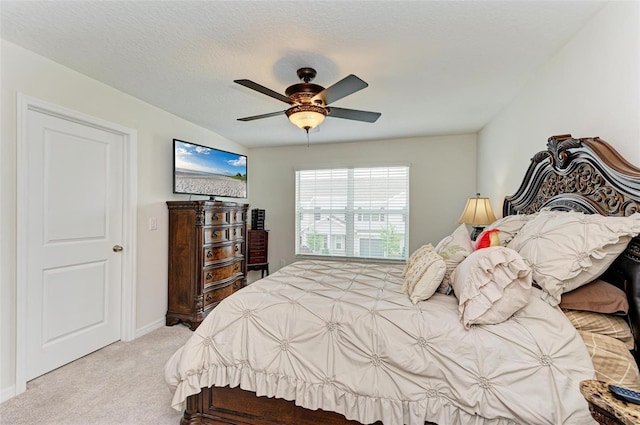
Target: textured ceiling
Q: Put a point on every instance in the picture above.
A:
(433, 67)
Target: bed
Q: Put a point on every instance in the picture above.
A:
(340, 342)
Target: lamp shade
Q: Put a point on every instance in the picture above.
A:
(306, 116)
(477, 212)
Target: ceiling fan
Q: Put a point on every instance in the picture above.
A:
(310, 102)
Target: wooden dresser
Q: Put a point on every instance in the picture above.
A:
(207, 257)
(258, 251)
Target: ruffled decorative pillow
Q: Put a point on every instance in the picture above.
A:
(424, 274)
(566, 250)
(491, 284)
(453, 249)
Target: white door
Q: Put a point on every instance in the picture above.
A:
(74, 225)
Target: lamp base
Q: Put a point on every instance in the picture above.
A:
(476, 232)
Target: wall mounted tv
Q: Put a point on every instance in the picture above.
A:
(201, 170)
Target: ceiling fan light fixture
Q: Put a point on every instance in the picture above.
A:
(306, 116)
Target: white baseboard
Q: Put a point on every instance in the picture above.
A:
(150, 327)
(7, 393)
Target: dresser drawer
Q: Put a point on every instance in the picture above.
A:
(213, 218)
(257, 244)
(257, 256)
(212, 275)
(222, 234)
(217, 253)
(257, 236)
(217, 294)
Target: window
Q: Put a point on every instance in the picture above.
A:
(370, 217)
(353, 212)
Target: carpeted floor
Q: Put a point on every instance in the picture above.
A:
(122, 383)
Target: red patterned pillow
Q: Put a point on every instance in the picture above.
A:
(488, 238)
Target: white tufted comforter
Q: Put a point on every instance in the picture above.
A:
(342, 337)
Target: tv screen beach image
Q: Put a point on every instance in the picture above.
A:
(201, 170)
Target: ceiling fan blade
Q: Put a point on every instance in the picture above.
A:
(353, 114)
(257, 117)
(262, 89)
(348, 85)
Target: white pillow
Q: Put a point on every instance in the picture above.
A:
(491, 284)
(453, 249)
(508, 226)
(566, 250)
(424, 274)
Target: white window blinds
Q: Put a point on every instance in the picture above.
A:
(353, 212)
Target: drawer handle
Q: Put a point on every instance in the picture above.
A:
(215, 217)
(209, 275)
(235, 285)
(236, 267)
(237, 248)
(214, 235)
(209, 297)
(209, 254)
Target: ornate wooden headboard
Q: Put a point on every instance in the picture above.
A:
(587, 175)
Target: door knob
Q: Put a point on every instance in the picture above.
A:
(117, 248)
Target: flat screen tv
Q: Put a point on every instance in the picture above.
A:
(201, 170)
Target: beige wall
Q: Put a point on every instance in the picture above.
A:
(442, 177)
(591, 87)
(33, 75)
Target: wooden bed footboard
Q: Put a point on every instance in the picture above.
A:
(224, 405)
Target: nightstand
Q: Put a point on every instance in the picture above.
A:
(605, 408)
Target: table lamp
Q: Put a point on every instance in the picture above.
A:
(477, 213)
